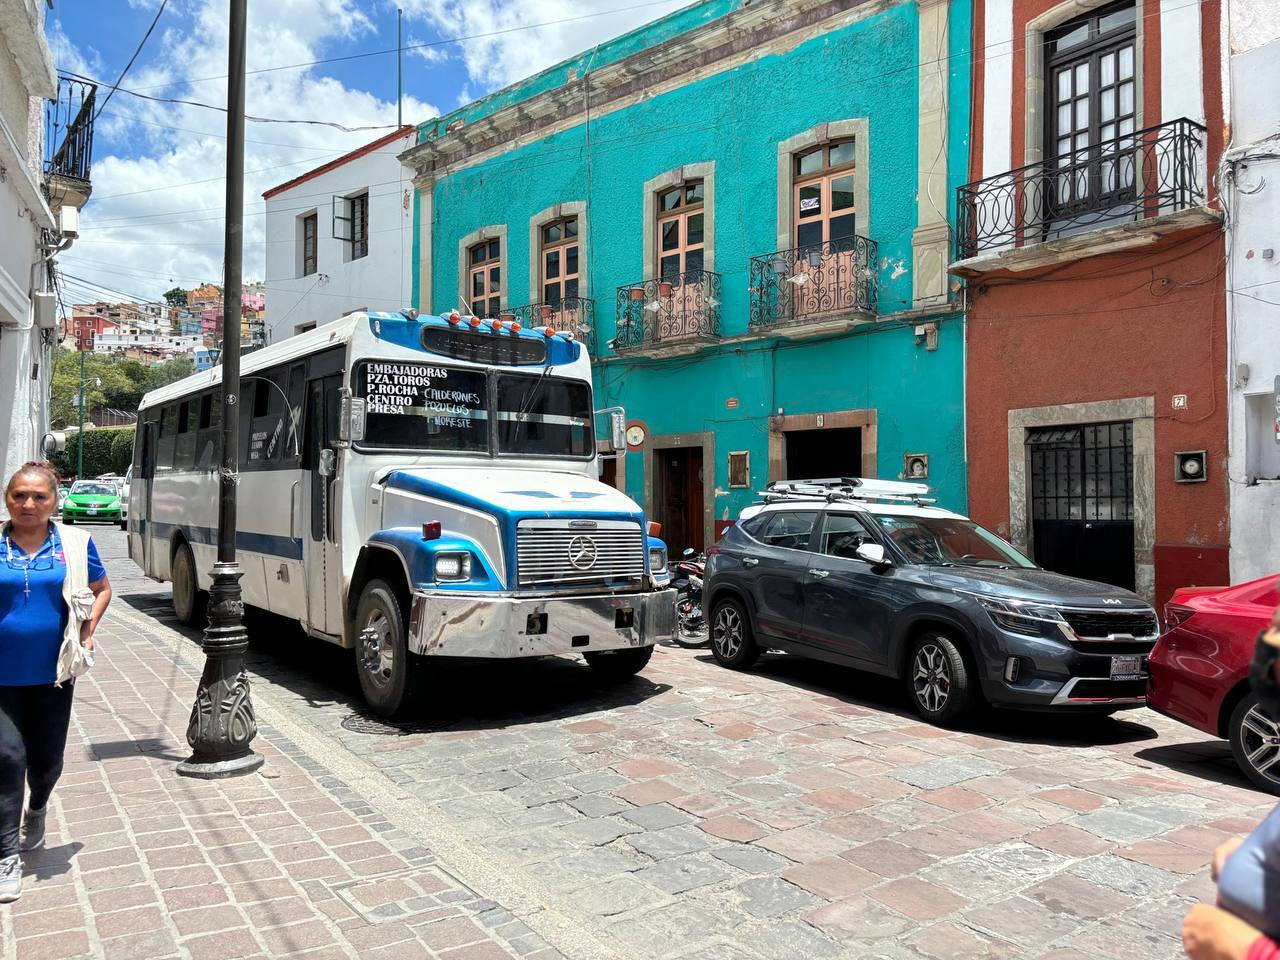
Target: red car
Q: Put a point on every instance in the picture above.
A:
(1200, 671)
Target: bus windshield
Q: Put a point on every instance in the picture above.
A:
(427, 406)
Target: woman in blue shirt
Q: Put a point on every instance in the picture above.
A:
(41, 614)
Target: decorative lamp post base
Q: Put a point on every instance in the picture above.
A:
(222, 724)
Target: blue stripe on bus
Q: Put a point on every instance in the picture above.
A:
(290, 548)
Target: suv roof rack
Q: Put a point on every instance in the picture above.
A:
(832, 489)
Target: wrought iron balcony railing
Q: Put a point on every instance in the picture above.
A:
(1159, 170)
(575, 314)
(820, 281)
(68, 129)
(678, 308)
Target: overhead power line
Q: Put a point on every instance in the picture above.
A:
(446, 41)
(141, 43)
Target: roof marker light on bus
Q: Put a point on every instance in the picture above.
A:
(515, 326)
(454, 319)
(548, 333)
(475, 323)
(495, 325)
(431, 530)
(655, 528)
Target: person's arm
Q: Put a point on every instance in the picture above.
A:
(1264, 948)
(101, 587)
(1209, 933)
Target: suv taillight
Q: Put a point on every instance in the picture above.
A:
(1175, 614)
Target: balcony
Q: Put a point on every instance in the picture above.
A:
(575, 314)
(815, 289)
(670, 316)
(1111, 195)
(68, 148)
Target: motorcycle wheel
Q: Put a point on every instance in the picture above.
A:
(691, 636)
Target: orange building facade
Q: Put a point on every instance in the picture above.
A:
(1091, 242)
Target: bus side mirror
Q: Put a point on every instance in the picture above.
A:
(618, 429)
(351, 419)
(325, 466)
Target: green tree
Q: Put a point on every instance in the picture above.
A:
(177, 297)
(162, 374)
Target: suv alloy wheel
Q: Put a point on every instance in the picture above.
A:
(939, 680)
(733, 641)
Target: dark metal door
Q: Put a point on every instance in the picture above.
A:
(1082, 501)
(848, 606)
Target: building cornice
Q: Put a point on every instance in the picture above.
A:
(22, 30)
(760, 29)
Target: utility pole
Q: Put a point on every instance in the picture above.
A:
(80, 408)
(222, 725)
(399, 71)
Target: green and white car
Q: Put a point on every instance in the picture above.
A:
(92, 500)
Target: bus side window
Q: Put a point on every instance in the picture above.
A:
(293, 416)
(208, 430)
(184, 454)
(168, 438)
(269, 444)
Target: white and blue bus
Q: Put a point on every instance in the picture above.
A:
(409, 487)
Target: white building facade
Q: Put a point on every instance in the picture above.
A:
(339, 238)
(1251, 193)
(27, 231)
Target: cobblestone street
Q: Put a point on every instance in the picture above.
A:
(796, 811)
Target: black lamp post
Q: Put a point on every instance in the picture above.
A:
(222, 725)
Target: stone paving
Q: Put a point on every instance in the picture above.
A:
(795, 811)
(291, 862)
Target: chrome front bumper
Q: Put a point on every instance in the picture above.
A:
(458, 625)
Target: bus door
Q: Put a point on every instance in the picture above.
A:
(323, 559)
(141, 524)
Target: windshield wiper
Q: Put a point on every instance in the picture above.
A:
(528, 403)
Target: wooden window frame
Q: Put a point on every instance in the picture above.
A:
(491, 295)
(360, 226)
(562, 246)
(824, 176)
(310, 258)
(1090, 53)
(681, 214)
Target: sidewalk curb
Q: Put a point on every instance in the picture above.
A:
(543, 911)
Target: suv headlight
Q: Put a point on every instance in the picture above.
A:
(453, 567)
(1020, 616)
(657, 560)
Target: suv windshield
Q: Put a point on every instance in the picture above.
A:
(427, 406)
(95, 489)
(948, 541)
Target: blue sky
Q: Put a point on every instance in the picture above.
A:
(155, 219)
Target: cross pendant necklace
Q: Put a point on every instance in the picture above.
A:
(26, 566)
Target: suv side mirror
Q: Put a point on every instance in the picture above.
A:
(874, 554)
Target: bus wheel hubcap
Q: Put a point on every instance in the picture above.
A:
(377, 651)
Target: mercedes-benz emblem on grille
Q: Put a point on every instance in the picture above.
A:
(583, 552)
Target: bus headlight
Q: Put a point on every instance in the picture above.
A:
(657, 560)
(453, 566)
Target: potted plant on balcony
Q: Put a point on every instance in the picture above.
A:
(637, 293)
(664, 288)
(506, 316)
(545, 310)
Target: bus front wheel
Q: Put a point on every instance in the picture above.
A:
(389, 676)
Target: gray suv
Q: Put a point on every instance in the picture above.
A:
(869, 574)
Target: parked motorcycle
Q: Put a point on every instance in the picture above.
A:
(691, 624)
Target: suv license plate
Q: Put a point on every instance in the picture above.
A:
(1126, 668)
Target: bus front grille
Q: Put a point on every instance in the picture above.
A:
(550, 552)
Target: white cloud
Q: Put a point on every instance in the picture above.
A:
(155, 218)
(502, 58)
(428, 52)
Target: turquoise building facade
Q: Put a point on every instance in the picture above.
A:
(744, 211)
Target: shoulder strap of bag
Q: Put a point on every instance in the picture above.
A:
(75, 547)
